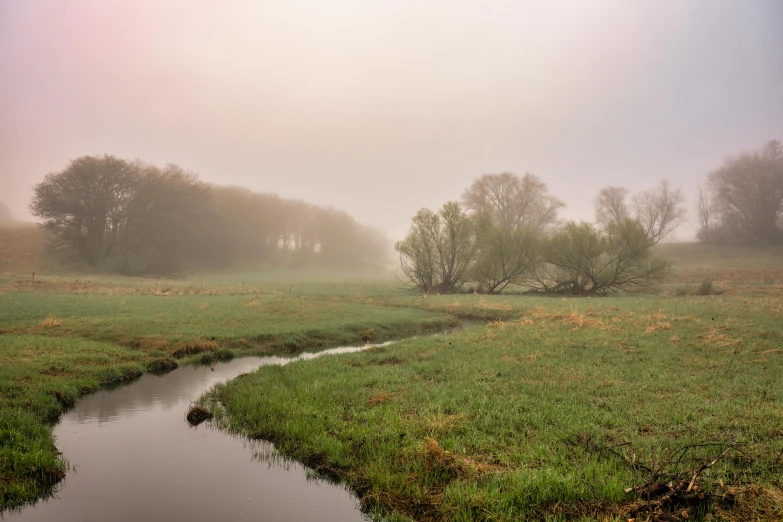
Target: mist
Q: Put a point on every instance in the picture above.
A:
(382, 108)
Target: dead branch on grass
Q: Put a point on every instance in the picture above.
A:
(678, 498)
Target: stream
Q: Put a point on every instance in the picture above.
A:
(134, 457)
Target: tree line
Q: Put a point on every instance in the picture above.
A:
(506, 231)
(136, 218)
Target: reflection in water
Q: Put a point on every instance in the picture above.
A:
(133, 457)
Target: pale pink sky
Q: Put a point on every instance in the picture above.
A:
(383, 107)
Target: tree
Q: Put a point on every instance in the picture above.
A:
(137, 218)
(704, 209)
(660, 210)
(748, 195)
(582, 260)
(438, 251)
(504, 256)
(511, 201)
(511, 213)
(83, 206)
(162, 221)
(610, 206)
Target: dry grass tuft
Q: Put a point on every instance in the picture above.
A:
(457, 465)
(657, 327)
(719, 339)
(380, 398)
(439, 423)
(50, 322)
(194, 347)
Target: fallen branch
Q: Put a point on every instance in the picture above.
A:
(707, 466)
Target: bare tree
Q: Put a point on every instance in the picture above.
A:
(512, 201)
(610, 206)
(704, 214)
(660, 210)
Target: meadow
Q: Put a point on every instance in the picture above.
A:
(544, 409)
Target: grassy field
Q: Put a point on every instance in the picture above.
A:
(542, 415)
(547, 408)
(62, 337)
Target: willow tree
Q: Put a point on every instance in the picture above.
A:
(505, 255)
(582, 260)
(512, 201)
(437, 253)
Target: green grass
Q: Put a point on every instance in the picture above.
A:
(39, 376)
(63, 337)
(528, 415)
(513, 420)
(253, 322)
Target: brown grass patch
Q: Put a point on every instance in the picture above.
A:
(719, 339)
(657, 327)
(439, 423)
(22, 247)
(50, 322)
(194, 347)
(381, 398)
(457, 465)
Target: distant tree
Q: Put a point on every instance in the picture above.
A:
(83, 206)
(512, 201)
(5, 214)
(748, 195)
(511, 214)
(251, 228)
(439, 249)
(582, 260)
(163, 221)
(660, 210)
(610, 206)
(704, 210)
(504, 255)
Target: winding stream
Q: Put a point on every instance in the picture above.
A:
(134, 458)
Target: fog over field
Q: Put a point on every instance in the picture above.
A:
(381, 108)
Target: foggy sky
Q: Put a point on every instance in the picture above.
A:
(383, 107)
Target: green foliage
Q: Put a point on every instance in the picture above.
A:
(505, 255)
(581, 260)
(437, 253)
